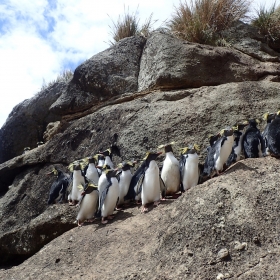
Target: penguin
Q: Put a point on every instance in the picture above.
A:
(273, 136)
(252, 142)
(113, 150)
(149, 184)
(92, 172)
(40, 143)
(59, 186)
(108, 195)
(218, 153)
(78, 179)
(124, 180)
(268, 117)
(26, 150)
(88, 204)
(238, 133)
(170, 173)
(189, 167)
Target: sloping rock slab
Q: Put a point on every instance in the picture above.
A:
(226, 227)
(169, 63)
(109, 73)
(27, 122)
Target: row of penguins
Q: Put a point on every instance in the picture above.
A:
(98, 188)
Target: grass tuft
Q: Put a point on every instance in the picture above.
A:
(201, 21)
(128, 25)
(268, 22)
(64, 76)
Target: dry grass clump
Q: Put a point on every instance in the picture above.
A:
(128, 25)
(268, 22)
(201, 21)
(64, 76)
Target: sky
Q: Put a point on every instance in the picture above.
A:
(40, 39)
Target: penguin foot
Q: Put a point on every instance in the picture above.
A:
(119, 208)
(80, 224)
(111, 217)
(103, 221)
(156, 203)
(137, 202)
(144, 209)
(91, 220)
(71, 203)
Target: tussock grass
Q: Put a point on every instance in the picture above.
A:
(268, 22)
(201, 21)
(64, 76)
(128, 25)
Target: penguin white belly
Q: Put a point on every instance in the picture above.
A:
(124, 182)
(88, 206)
(78, 179)
(111, 199)
(225, 151)
(109, 162)
(102, 183)
(191, 172)
(151, 185)
(170, 174)
(92, 173)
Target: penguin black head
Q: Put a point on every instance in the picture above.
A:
(167, 147)
(269, 117)
(126, 165)
(213, 138)
(76, 165)
(253, 122)
(99, 157)
(226, 132)
(277, 115)
(103, 167)
(55, 171)
(25, 150)
(106, 153)
(151, 156)
(240, 126)
(92, 159)
(110, 173)
(192, 149)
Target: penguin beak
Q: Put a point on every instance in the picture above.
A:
(49, 173)
(159, 153)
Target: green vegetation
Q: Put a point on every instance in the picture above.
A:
(268, 22)
(65, 76)
(202, 21)
(128, 25)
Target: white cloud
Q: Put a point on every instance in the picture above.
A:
(38, 39)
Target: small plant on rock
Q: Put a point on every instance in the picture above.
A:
(64, 76)
(128, 25)
(202, 21)
(268, 23)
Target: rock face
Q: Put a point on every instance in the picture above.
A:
(169, 63)
(225, 227)
(109, 73)
(27, 122)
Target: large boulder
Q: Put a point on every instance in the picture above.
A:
(106, 74)
(27, 122)
(226, 228)
(27, 222)
(169, 63)
(184, 116)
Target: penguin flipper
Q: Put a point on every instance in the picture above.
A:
(182, 164)
(102, 199)
(162, 187)
(139, 184)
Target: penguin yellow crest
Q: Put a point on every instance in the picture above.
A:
(278, 113)
(196, 147)
(265, 116)
(184, 150)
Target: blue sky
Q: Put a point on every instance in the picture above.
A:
(39, 39)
